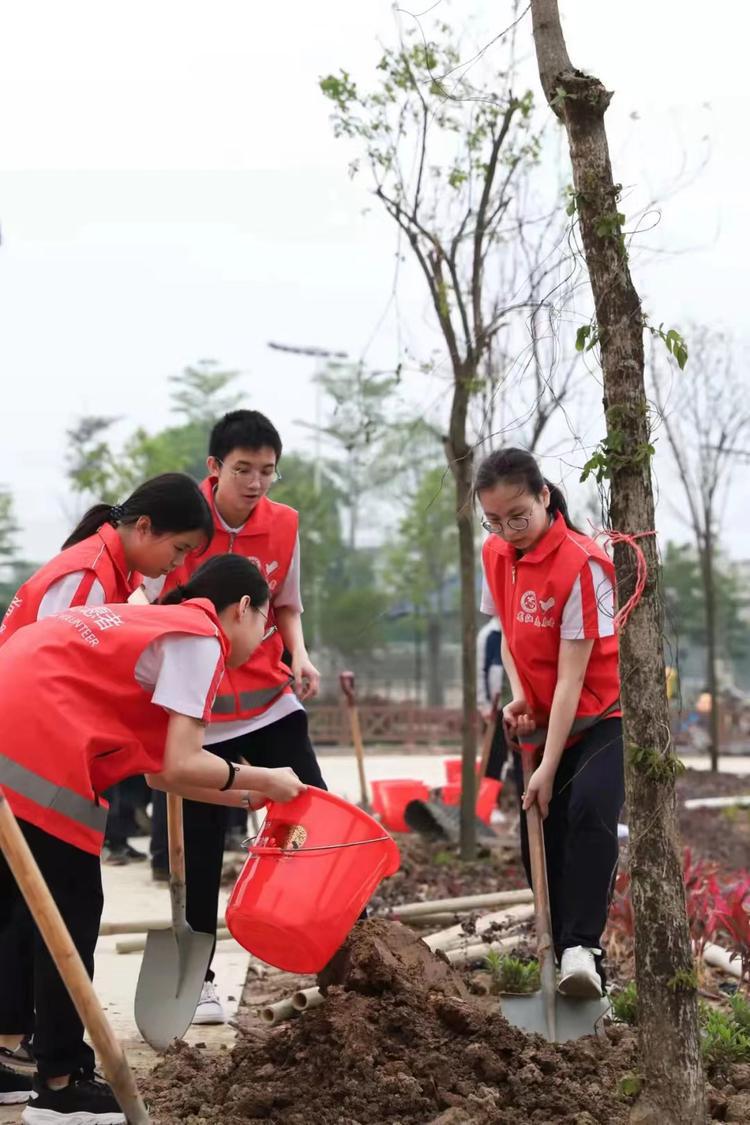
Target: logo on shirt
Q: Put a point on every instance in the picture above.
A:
(528, 602)
(529, 614)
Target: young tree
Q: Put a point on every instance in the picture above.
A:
(446, 158)
(707, 423)
(673, 1090)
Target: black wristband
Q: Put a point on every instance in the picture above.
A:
(233, 770)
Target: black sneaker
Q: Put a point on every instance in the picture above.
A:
(86, 1100)
(23, 1056)
(14, 1087)
(133, 854)
(160, 874)
(115, 855)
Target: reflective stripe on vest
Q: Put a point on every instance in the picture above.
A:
(248, 700)
(585, 722)
(50, 796)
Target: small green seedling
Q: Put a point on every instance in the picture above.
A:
(625, 1004)
(511, 974)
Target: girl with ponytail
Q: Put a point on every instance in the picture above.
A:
(88, 698)
(113, 547)
(553, 590)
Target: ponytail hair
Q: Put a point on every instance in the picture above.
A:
(518, 466)
(223, 580)
(172, 501)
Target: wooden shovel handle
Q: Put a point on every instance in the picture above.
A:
(176, 837)
(542, 914)
(488, 737)
(346, 679)
(50, 924)
(348, 686)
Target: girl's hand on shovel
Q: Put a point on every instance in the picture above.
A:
(281, 784)
(539, 789)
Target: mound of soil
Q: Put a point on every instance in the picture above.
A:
(398, 1040)
(433, 871)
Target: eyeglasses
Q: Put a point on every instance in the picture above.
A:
(270, 630)
(515, 523)
(246, 473)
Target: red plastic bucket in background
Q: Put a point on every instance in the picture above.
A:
(390, 798)
(306, 880)
(489, 791)
(452, 767)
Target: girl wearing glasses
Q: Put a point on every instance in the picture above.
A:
(89, 697)
(553, 590)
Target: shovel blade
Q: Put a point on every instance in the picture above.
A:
(574, 1018)
(437, 821)
(169, 987)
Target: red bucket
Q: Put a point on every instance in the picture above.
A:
(489, 791)
(452, 767)
(306, 880)
(390, 798)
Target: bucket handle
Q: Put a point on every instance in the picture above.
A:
(259, 849)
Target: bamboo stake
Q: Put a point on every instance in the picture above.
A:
(455, 905)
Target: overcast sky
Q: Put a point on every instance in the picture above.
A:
(170, 190)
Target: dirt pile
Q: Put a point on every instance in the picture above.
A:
(398, 1041)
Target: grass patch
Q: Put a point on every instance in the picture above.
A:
(511, 974)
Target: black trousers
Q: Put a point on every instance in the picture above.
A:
(74, 879)
(284, 743)
(498, 752)
(580, 835)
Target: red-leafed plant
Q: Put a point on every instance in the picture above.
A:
(732, 919)
(702, 891)
(621, 920)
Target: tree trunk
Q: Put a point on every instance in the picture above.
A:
(461, 463)
(435, 693)
(671, 1064)
(712, 679)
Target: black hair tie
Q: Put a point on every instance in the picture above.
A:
(117, 513)
(233, 771)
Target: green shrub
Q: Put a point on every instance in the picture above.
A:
(625, 1004)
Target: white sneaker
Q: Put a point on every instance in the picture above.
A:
(209, 1008)
(578, 975)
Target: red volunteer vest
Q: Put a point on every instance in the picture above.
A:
(75, 720)
(530, 593)
(101, 556)
(268, 540)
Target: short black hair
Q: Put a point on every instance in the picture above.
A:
(243, 429)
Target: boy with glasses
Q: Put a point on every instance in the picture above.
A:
(258, 713)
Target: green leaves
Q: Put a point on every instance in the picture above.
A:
(587, 337)
(674, 342)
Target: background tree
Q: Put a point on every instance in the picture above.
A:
(421, 564)
(684, 594)
(200, 395)
(706, 419)
(670, 1046)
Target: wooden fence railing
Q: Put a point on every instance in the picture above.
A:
(407, 724)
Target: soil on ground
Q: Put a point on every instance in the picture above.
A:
(721, 835)
(434, 871)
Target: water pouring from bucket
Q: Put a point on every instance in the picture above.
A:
(307, 878)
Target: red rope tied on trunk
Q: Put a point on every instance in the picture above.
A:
(624, 612)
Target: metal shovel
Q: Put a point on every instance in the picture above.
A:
(558, 1018)
(175, 961)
